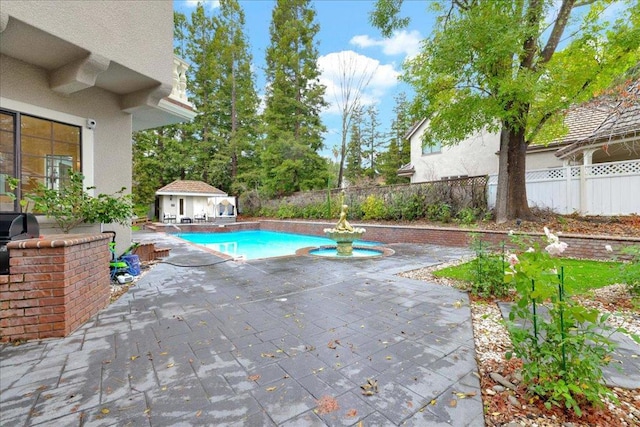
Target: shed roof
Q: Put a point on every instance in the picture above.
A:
(188, 187)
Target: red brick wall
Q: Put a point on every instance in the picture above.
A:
(55, 285)
(580, 246)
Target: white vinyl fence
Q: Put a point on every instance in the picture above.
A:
(598, 189)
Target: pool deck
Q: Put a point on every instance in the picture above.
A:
(198, 341)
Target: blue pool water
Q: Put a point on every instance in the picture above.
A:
(259, 244)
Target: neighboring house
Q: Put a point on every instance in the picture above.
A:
(473, 156)
(601, 132)
(76, 79)
(194, 201)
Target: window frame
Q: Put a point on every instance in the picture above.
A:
(17, 144)
(428, 150)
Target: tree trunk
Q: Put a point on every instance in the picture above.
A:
(503, 177)
(517, 203)
(343, 151)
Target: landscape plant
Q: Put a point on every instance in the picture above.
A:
(562, 344)
(373, 208)
(487, 270)
(630, 270)
(70, 205)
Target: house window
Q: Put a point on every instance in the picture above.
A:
(431, 148)
(34, 150)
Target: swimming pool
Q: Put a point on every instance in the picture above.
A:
(256, 244)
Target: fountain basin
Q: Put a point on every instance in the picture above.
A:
(358, 252)
(344, 239)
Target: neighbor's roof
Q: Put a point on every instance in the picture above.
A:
(622, 119)
(187, 187)
(406, 170)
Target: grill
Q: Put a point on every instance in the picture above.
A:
(15, 226)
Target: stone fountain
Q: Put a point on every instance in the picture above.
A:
(343, 233)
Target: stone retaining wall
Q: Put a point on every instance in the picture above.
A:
(55, 285)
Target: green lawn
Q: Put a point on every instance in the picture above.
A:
(580, 276)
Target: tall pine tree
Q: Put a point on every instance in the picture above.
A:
(399, 150)
(234, 100)
(294, 99)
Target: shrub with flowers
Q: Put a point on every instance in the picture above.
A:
(562, 344)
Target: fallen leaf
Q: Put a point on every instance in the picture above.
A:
(105, 411)
(351, 413)
(327, 404)
(332, 345)
(164, 388)
(255, 377)
(433, 402)
(453, 403)
(272, 388)
(170, 365)
(388, 357)
(134, 357)
(164, 353)
(267, 355)
(199, 413)
(146, 411)
(410, 404)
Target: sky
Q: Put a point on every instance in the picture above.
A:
(345, 32)
(345, 35)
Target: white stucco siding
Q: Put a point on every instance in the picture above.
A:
(542, 160)
(473, 156)
(136, 34)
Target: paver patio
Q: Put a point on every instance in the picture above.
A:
(258, 344)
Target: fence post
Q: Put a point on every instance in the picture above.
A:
(568, 202)
(583, 191)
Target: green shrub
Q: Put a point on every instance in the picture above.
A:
(286, 211)
(630, 271)
(466, 216)
(439, 212)
(488, 271)
(373, 208)
(70, 205)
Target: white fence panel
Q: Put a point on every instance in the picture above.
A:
(602, 189)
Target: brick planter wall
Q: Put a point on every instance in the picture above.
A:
(580, 246)
(55, 285)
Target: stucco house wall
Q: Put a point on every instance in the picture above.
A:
(106, 150)
(473, 156)
(112, 29)
(110, 61)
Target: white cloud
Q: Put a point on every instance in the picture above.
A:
(208, 4)
(401, 43)
(375, 79)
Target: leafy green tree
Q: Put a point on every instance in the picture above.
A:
(493, 65)
(159, 158)
(373, 140)
(232, 106)
(399, 149)
(294, 99)
(353, 159)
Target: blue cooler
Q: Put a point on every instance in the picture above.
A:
(133, 261)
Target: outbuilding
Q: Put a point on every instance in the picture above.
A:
(186, 201)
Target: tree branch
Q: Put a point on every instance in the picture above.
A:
(558, 28)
